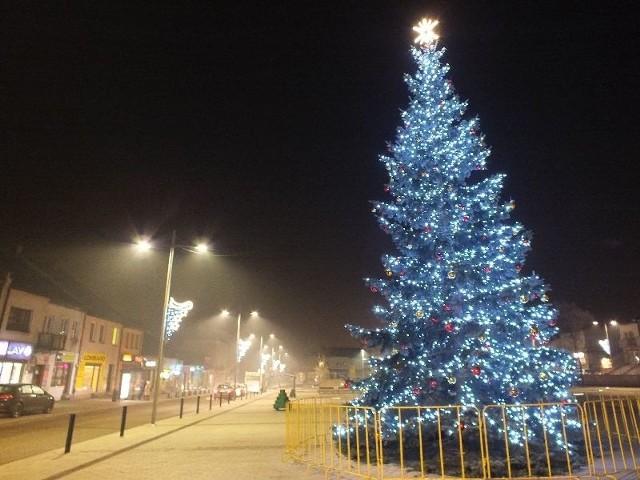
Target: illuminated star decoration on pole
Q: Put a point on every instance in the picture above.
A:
(426, 35)
(243, 346)
(175, 313)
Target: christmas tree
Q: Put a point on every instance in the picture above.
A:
(461, 323)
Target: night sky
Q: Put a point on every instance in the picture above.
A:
(258, 125)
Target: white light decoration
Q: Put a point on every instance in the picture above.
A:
(243, 346)
(175, 313)
(461, 322)
(425, 32)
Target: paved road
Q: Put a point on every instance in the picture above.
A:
(242, 440)
(33, 434)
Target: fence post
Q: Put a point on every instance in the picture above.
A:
(181, 406)
(198, 404)
(72, 421)
(123, 421)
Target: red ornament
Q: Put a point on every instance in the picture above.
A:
(553, 323)
(386, 188)
(486, 269)
(518, 267)
(373, 290)
(433, 383)
(427, 228)
(434, 320)
(438, 256)
(449, 327)
(446, 307)
(416, 391)
(462, 425)
(476, 370)
(465, 218)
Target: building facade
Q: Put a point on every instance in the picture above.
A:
(63, 349)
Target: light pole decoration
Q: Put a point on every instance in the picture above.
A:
(606, 343)
(144, 245)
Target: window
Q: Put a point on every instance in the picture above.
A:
(46, 326)
(92, 332)
(60, 374)
(126, 340)
(101, 334)
(114, 336)
(19, 319)
(74, 329)
(63, 326)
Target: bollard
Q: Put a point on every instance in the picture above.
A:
(72, 421)
(198, 404)
(210, 401)
(220, 399)
(181, 406)
(123, 420)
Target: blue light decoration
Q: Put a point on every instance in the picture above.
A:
(461, 324)
(175, 313)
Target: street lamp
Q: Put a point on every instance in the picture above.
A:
(235, 370)
(261, 358)
(145, 245)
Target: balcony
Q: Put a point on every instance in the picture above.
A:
(50, 341)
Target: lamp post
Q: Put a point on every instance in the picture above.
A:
(237, 359)
(201, 248)
(163, 330)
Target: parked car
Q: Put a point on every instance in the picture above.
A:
(19, 398)
(225, 390)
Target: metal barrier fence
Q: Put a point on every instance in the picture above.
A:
(598, 439)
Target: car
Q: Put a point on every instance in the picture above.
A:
(225, 390)
(19, 398)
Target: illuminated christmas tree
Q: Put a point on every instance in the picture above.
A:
(462, 324)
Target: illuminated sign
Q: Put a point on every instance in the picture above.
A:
(94, 357)
(15, 350)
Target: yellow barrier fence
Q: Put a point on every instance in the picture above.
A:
(599, 439)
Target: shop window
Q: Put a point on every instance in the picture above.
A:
(60, 374)
(19, 319)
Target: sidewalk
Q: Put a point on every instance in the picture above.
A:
(241, 440)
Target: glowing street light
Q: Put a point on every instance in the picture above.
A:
(146, 245)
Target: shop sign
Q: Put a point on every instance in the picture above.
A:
(94, 357)
(68, 357)
(15, 350)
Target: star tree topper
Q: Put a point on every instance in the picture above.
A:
(426, 35)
